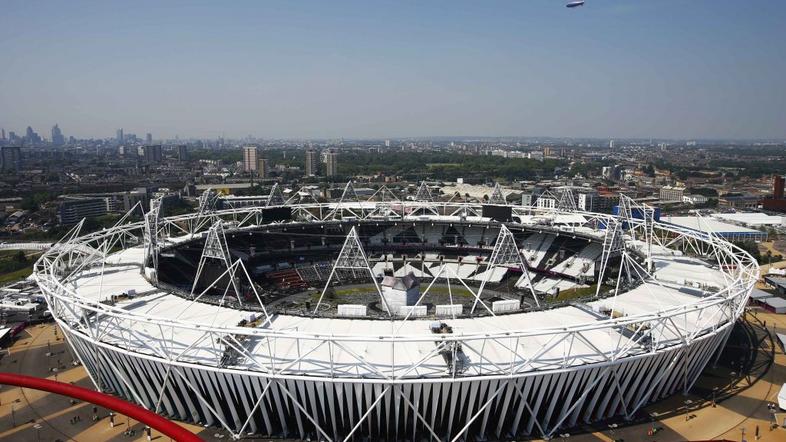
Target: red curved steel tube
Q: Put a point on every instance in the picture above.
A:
(161, 424)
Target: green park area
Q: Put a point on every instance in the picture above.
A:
(16, 265)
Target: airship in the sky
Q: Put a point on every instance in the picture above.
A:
(575, 4)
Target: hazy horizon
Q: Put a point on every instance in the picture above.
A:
(669, 69)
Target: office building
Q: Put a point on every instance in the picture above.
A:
(669, 194)
(149, 138)
(312, 162)
(250, 158)
(119, 137)
(72, 211)
(331, 163)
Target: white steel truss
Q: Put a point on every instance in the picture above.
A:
(506, 253)
(643, 230)
(423, 193)
(567, 201)
(208, 201)
(275, 197)
(216, 248)
(613, 244)
(383, 194)
(348, 196)
(352, 258)
(151, 234)
(496, 196)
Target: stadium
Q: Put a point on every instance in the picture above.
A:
(393, 319)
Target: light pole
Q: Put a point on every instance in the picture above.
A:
(37, 432)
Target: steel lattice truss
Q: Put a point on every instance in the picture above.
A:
(496, 196)
(424, 193)
(276, 197)
(352, 258)
(506, 253)
(165, 364)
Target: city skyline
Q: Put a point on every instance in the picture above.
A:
(669, 69)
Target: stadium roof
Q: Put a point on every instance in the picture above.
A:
(751, 219)
(711, 225)
(151, 302)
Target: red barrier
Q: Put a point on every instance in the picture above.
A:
(161, 424)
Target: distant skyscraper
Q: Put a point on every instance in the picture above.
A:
(312, 162)
(250, 156)
(57, 136)
(120, 135)
(387, 143)
(262, 167)
(611, 144)
(3, 137)
(182, 153)
(331, 163)
(149, 138)
(31, 136)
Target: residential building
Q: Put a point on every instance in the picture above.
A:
(331, 163)
(263, 168)
(250, 158)
(182, 153)
(152, 154)
(312, 162)
(11, 158)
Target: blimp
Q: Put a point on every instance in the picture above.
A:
(575, 4)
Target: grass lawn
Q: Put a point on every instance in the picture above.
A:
(566, 295)
(16, 276)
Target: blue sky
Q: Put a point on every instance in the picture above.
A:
(614, 68)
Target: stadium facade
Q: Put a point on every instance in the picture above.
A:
(231, 318)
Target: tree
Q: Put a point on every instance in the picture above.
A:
(20, 257)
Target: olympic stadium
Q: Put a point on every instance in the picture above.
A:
(391, 319)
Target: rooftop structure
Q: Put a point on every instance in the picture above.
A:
(712, 225)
